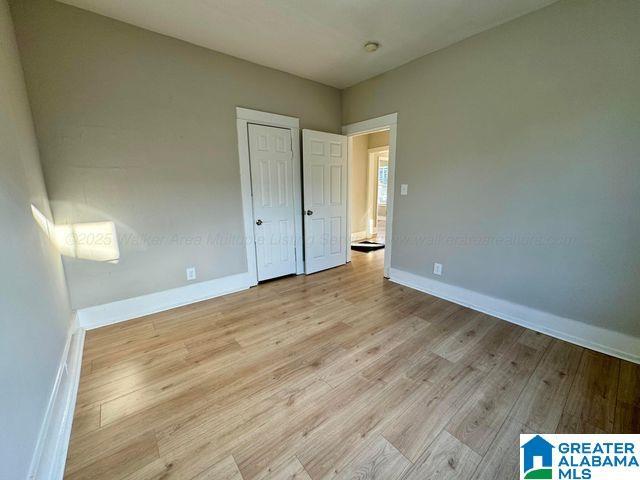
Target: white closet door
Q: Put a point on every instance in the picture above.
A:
(273, 209)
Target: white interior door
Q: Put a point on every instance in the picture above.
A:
(324, 163)
(271, 159)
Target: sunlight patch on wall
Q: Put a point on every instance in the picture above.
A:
(95, 241)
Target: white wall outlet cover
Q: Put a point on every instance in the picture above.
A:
(437, 268)
(404, 189)
(191, 273)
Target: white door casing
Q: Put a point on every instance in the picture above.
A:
(325, 199)
(271, 159)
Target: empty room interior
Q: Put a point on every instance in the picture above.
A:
(363, 239)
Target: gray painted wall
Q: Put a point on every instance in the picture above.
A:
(531, 129)
(34, 305)
(140, 128)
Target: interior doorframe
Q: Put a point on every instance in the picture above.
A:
(385, 122)
(245, 116)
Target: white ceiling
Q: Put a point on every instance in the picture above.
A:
(318, 39)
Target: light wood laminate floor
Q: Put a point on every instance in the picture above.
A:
(341, 374)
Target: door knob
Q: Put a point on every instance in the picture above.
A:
(258, 222)
(309, 212)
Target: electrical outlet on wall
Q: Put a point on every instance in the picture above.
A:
(404, 189)
(191, 273)
(437, 269)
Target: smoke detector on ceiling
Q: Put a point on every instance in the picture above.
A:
(371, 46)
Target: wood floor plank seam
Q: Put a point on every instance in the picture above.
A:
(567, 398)
(533, 371)
(615, 408)
(305, 470)
(507, 417)
(391, 443)
(488, 407)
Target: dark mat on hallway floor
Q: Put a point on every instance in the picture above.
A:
(366, 246)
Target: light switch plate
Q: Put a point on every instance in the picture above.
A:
(404, 189)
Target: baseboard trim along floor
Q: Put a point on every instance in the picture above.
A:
(613, 343)
(51, 448)
(122, 310)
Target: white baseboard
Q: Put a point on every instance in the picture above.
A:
(122, 310)
(357, 236)
(51, 448)
(600, 339)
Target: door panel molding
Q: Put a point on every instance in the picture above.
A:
(245, 116)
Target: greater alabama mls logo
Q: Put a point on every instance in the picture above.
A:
(536, 458)
(580, 457)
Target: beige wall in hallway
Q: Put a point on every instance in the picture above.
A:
(34, 305)
(379, 139)
(521, 150)
(140, 128)
(358, 183)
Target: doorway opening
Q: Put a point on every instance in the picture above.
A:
(371, 146)
(369, 190)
